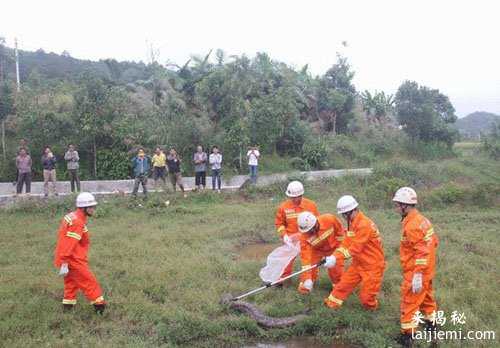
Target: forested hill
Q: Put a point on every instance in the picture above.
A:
(476, 123)
(63, 66)
(109, 109)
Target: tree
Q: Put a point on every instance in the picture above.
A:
(425, 113)
(94, 113)
(377, 106)
(336, 96)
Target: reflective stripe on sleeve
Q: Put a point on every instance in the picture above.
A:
(344, 252)
(66, 301)
(73, 235)
(429, 234)
(68, 220)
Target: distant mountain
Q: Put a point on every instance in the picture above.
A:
(65, 67)
(478, 122)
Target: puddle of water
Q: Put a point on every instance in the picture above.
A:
(301, 342)
(256, 251)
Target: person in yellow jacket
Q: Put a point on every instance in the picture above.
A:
(418, 262)
(159, 162)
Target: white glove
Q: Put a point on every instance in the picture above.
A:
(308, 284)
(287, 240)
(64, 270)
(330, 261)
(416, 283)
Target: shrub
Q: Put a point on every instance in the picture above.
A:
(380, 194)
(485, 194)
(298, 163)
(408, 171)
(314, 153)
(429, 151)
(448, 194)
(112, 164)
(491, 147)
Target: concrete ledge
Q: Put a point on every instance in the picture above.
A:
(105, 187)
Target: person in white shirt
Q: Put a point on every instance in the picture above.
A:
(215, 161)
(253, 156)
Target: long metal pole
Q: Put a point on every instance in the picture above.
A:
(18, 80)
(269, 285)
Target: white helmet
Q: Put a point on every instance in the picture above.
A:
(85, 199)
(306, 221)
(346, 204)
(294, 189)
(405, 195)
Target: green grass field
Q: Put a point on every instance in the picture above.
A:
(164, 269)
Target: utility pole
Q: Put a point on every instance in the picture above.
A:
(17, 68)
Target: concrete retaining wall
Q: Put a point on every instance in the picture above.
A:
(7, 190)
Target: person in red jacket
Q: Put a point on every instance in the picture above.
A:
(286, 216)
(320, 236)
(363, 244)
(418, 262)
(71, 255)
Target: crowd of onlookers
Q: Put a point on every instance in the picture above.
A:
(158, 166)
(24, 169)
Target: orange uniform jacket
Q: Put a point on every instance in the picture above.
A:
(363, 243)
(330, 235)
(322, 244)
(418, 246)
(418, 255)
(286, 215)
(73, 240)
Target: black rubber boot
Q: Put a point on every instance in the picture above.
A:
(429, 325)
(405, 340)
(99, 308)
(68, 307)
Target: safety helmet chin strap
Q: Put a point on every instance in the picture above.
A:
(348, 218)
(85, 210)
(404, 209)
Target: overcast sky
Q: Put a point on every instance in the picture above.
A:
(449, 45)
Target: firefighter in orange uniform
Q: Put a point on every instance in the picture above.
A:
(286, 216)
(320, 236)
(418, 262)
(363, 244)
(71, 255)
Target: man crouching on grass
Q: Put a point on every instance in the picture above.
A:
(71, 255)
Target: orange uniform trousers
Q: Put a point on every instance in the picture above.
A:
(81, 278)
(370, 282)
(411, 303)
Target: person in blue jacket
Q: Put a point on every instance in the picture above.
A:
(141, 166)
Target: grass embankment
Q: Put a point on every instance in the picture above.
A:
(164, 269)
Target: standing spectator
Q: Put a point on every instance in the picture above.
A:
(72, 159)
(253, 156)
(49, 171)
(23, 144)
(216, 164)
(23, 165)
(141, 165)
(200, 168)
(174, 170)
(159, 167)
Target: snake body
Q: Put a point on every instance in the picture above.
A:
(257, 315)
